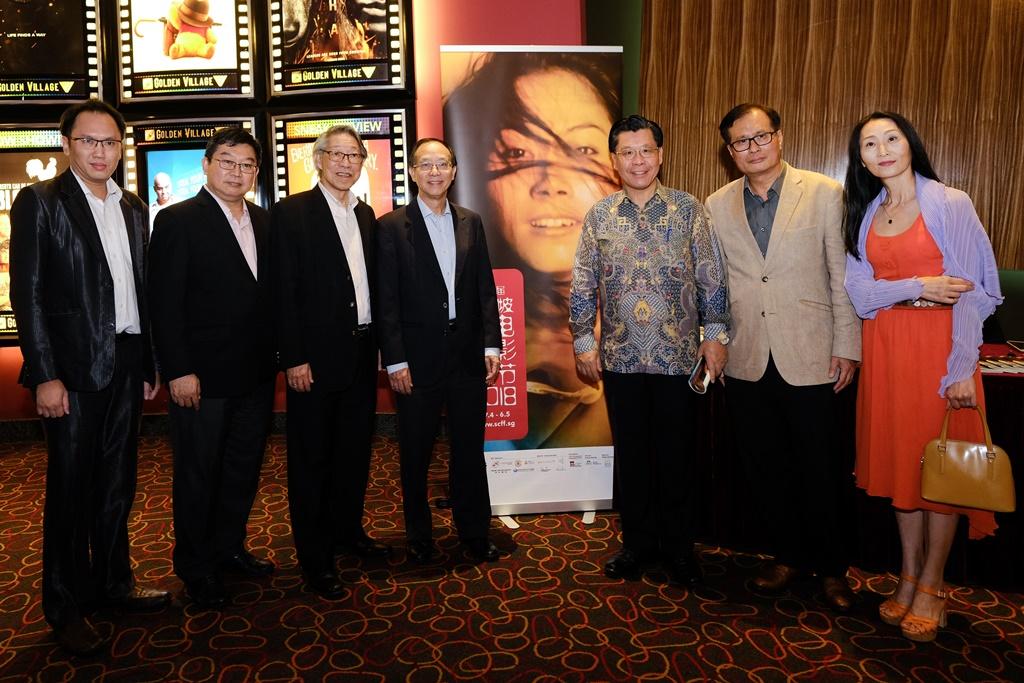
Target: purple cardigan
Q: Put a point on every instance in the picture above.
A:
(953, 223)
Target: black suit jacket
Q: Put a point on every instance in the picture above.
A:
(314, 297)
(412, 299)
(61, 288)
(211, 317)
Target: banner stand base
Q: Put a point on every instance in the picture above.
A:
(509, 522)
(589, 516)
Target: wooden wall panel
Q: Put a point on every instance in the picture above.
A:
(953, 67)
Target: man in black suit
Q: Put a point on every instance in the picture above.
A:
(440, 340)
(78, 246)
(323, 250)
(210, 296)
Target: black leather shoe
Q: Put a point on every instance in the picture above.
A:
(244, 562)
(624, 565)
(207, 592)
(141, 599)
(326, 584)
(684, 570)
(837, 593)
(481, 549)
(79, 637)
(775, 577)
(362, 547)
(421, 551)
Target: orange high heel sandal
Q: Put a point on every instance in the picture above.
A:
(923, 629)
(892, 611)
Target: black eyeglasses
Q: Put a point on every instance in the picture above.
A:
(229, 165)
(761, 139)
(108, 145)
(338, 155)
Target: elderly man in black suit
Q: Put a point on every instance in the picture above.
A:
(323, 249)
(440, 339)
(78, 247)
(210, 297)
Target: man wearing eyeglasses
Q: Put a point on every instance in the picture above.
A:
(440, 340)
(797, 342)
(648, 262)
(322, 242)
(78, 247)
(209, 289)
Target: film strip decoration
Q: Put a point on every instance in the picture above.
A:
(49, 51)
(163, 159)
(333, 45)
(382, 184)
(187, 48)
(28, 154)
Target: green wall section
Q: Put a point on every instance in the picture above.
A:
(618, 22)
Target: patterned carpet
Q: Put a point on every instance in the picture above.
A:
(545, 614)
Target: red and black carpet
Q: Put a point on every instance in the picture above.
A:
(545, 613)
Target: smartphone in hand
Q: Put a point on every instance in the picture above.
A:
(700, 376)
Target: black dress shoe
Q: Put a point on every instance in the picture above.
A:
(624, 565)
(684, 570)
(775, 577)
(837, 593)
(326, 584)
(482, 550)
(362, 547)
(141, 599)
(79, 637)
(421, 551)
(244, 562)
(207, 592)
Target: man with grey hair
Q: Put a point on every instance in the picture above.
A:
(323, 246)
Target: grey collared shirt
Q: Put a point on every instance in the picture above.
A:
(761, 212)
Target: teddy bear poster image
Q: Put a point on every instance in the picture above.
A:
(181, 47)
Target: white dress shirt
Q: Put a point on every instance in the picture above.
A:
(114, 238)
(352, 242)
(242, 229)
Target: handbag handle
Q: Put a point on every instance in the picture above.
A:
(989, 450)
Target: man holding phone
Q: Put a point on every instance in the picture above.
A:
(648, 253)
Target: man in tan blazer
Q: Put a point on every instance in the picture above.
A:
(796, 343)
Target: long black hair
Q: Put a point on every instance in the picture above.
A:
(862, 186)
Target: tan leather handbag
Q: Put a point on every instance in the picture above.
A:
(967, 474)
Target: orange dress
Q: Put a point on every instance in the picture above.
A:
(899, 409)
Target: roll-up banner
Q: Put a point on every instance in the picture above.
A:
(28, 154)
(48, 50)
(529, 126)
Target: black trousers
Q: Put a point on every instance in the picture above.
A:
(652, 419)
(465, 398)
(329, 435)
(787, 442)
(90, 488)
(218, 452)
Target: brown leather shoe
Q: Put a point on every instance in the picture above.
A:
(775, 577)
(79, 637)
(837, 593)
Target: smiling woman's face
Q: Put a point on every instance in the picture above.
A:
(552, 174)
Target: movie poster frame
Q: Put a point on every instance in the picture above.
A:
(130, 163)
(8, 338)
(398, 59)
(94, 58)
(245, 34)
(400, 141)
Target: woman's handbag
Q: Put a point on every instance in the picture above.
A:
(966, 474)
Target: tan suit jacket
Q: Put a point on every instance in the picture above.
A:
(791, 302)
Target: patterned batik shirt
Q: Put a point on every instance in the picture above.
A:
(658, 273)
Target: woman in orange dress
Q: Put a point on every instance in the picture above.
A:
(920, 271)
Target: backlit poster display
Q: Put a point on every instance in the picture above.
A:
(27, 155)
(382, 183)
(327, 45)
(184, 48)
(164, 159)
(48, 50)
